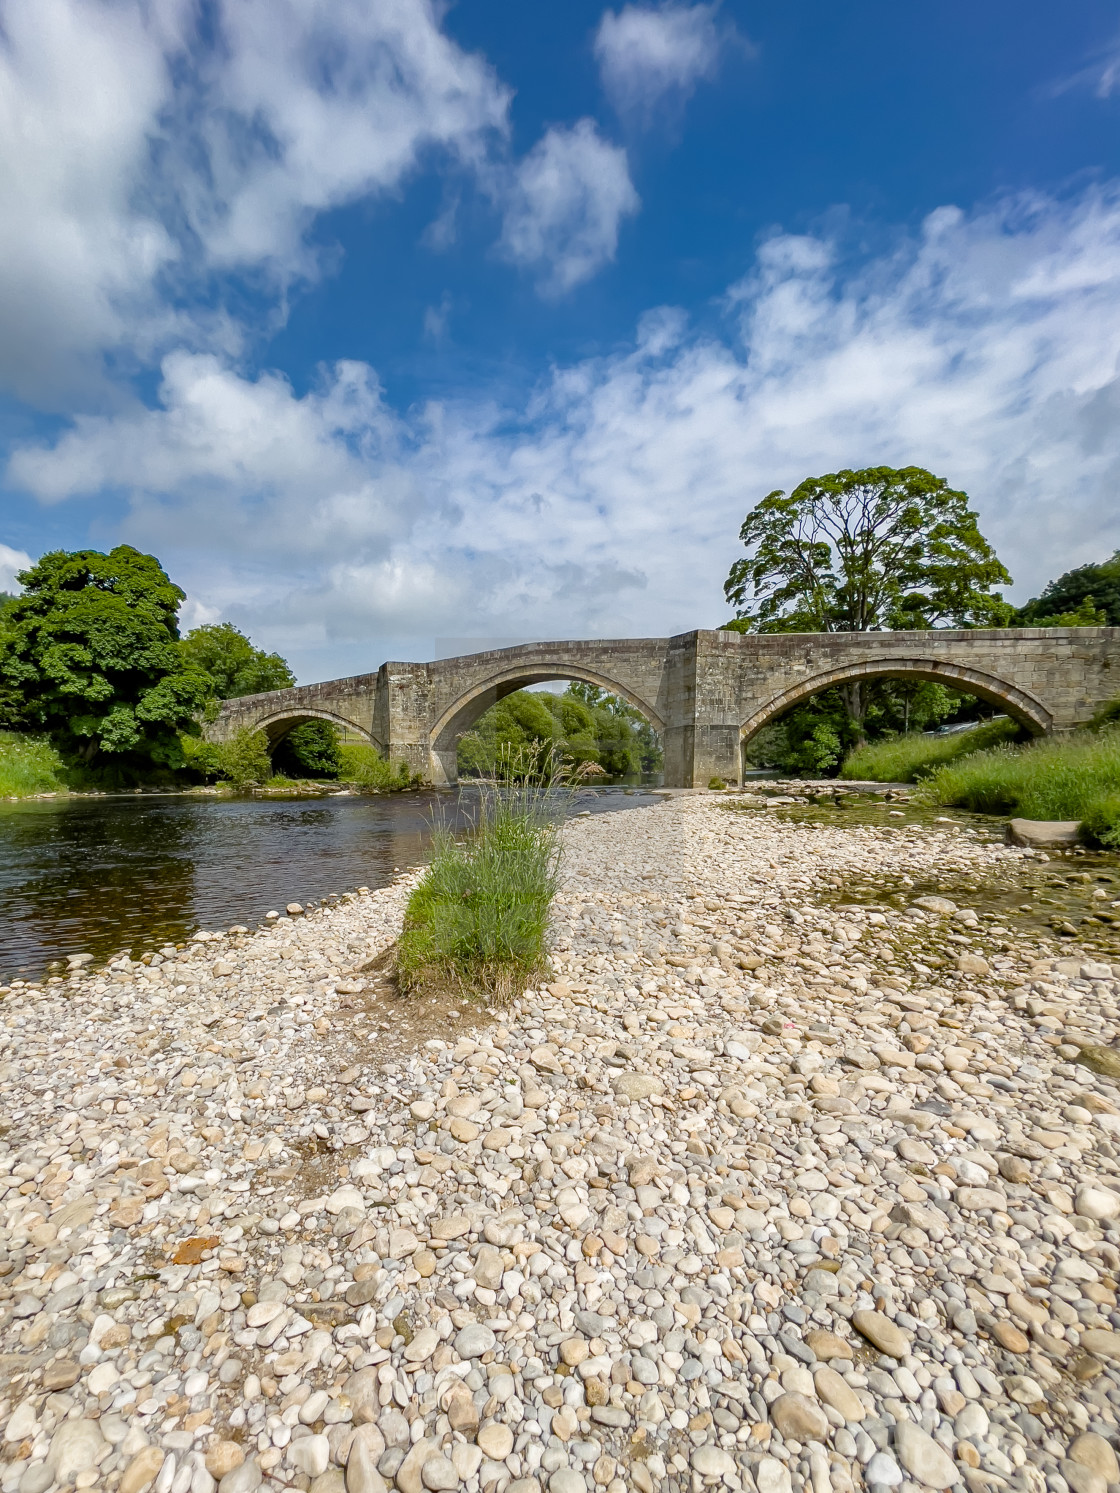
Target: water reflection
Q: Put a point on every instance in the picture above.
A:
(103, 874)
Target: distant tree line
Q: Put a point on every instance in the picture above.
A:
(584, 724)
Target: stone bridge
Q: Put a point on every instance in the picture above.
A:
(705, 693)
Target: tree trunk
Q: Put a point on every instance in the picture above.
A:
(856, 706)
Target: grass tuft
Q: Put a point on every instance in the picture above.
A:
(29, 765)
(910, 758)
(479, 916)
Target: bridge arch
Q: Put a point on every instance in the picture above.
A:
(279, 723)
(1018, 704)
(458, 717)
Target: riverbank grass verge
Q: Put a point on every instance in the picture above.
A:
(478, 918)
(910, 758)
(1073, 777)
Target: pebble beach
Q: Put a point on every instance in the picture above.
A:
(762, 1191)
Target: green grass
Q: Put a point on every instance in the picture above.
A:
(479, 915)
(29, 765)
(1071, 777)
(908, 759)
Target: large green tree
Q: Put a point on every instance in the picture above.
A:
(91, 648)
(1087, 596)
(870, 550)
(233, 663)
(866, 551)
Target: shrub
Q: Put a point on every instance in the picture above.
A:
(908, 759)
(716, 783)
(364, 766)
(28, 765)
(241, 761)
(480, 912)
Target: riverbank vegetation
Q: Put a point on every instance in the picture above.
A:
(585, 725)
(1075, 777)
(29, 765)
(479, 916)
(910, 758)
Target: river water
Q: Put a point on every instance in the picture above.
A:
(99, 875)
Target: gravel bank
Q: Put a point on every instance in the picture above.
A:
(764, 1192)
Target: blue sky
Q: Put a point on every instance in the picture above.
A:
(384, 324)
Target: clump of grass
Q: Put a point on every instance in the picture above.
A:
(479, 916)
(1071, 777)
(29, 765)
(908, 759)
(364, 766)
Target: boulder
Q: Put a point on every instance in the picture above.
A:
(1042, 834)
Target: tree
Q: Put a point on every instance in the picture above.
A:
(91, 646)
(1094, 586)
(865, 551)
(236, 667)
(309, 751)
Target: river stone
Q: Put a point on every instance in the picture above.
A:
(1099, 1204)
(474, 1340)
(362, 1475)
(141, 1471)
(1082, 1479)
(361, 1390)
(772, 1476)
(567, 1480)
(827, 1345)
(244, 1479)
(976, 1199)
(439, 1475)
(75, 1447)
(223, 1457)
(838, 1393)
(636, 1085)
(422, 1346)
(310, 1455)
(1101, 1342)
(1043, 833)
(408, 1473)
(713, 1461)
(1094, 1452)
(798, 1418)
(922, 1457)
(882, 1471)
(496, 1440)
(882, 1333)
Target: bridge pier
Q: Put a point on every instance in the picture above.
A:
(704, 692)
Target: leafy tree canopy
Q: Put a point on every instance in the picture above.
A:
(236, 667)
(1090, 589)
(866, 551)
(91, 648)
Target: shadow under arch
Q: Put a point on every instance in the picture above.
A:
(278, 725)
(458, 718)
(1018, 704)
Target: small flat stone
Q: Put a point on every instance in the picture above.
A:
(838, 1393)
(1101, 1342)
(141, 1471)
(827, 1345)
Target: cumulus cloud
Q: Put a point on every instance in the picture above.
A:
(11, 563)
(139, 159)
(608, 502)
(651, 55)
(566, 204)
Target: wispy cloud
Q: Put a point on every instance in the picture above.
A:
(565, 205)
(1099, 76)
(653, 55)
(11, 563)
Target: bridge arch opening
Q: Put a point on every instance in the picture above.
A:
(464, 713)
(282, 723)
(1023, 708)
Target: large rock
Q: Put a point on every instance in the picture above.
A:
(1043, 834)
(798, 1418)
(882, 1333)
(636, 1085)
(75, 1447)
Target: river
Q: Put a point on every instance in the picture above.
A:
(99, 875)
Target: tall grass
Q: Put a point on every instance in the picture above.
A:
(479, 916)
(908, 759)
(1072, 777)
(29, 765)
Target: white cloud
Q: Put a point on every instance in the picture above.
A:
(565, 206)
(608, 502)
(136, 159)
(650, 55)
(1100, 75)
(11, 563)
